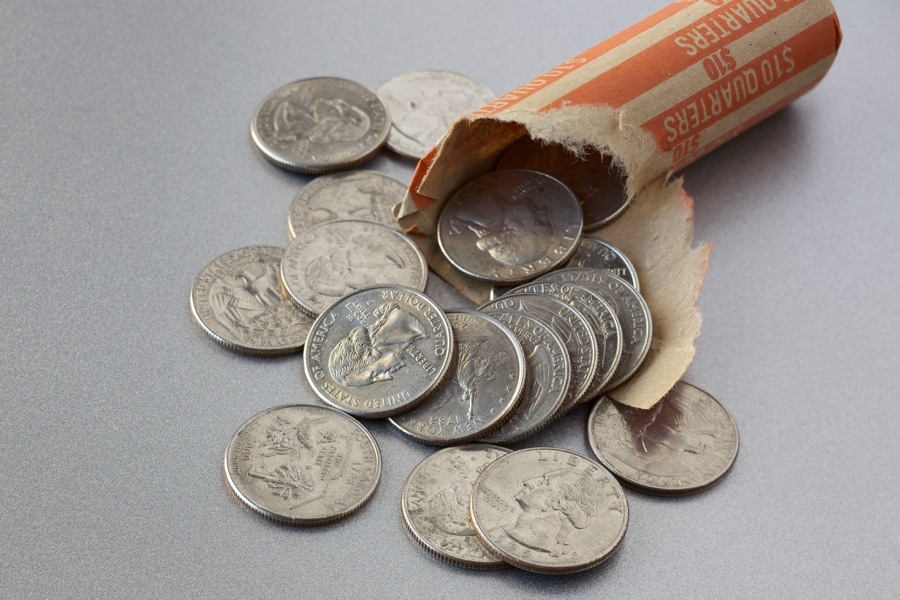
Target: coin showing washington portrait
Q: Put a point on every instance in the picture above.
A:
(238, 301)
(509, 226)
(435, 504)
(630, 308)
(481, 392)
(549, 510)
(600, 317)
(594, 253)
(303, 465)
(363, 195)
(599, 186)
(379, 351)
(548, 376)
(572, 327)
(335, 258)
(424, 104)
(684, 444)
(320, 125)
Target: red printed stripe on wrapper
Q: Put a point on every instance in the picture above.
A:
(670, 56)
(524, 91)
(742, 85)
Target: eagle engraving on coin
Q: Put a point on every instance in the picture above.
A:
(373, 353)
(250, 300)
(238, 301)
(325, 121)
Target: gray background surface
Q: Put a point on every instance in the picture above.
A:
(126, 165)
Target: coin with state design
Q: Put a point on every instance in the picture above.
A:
(379, 351)
(332, 259)
(483, 390)
(365, 195)
(572, 327)
(603, 323)
(684, 444)
(599, 186)
(594, 253)
(548, 374)
(238, 301)
(509, 226)
(630, 308)
(424, 104)
(303, 465)
(549, 510)
(435, 504)
(320, 125)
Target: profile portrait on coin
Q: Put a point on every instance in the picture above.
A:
(326, 121)
(554, 505)
(373, 353)
(431, 113)
(344, 270)
(514, 233)
(243, 301)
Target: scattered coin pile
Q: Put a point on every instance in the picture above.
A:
(565, 324)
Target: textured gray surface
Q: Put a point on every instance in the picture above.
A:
(126, 165)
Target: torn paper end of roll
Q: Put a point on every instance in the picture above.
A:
(654, 97)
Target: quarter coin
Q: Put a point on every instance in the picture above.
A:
(594, 253)
(630, 308)
(365, 195)
(435, 504)
(602, 320)
(599, 186)
(572, 327)
(480, 394)
(320, 125)
(549, 510)
(548, 374)
(332, 259)
(303, 465)
(238, 301)
(423, 106)
(509, 226)
(379, 351)
(685, 444)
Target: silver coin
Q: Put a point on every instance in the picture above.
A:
(630, 308)
(365, 195)
(548, 374)
(303, 465)
(320, 125)
(330, 260)
(599, 186)
(379, 351)
(572, 327)
(594, 253)
(238, 301)
(481, 393)
(509, 226)
(435, 504)
(685, 444)
(603, 321)
(549, 510)
(424, 104)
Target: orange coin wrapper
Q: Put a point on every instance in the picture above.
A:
(654, 97)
